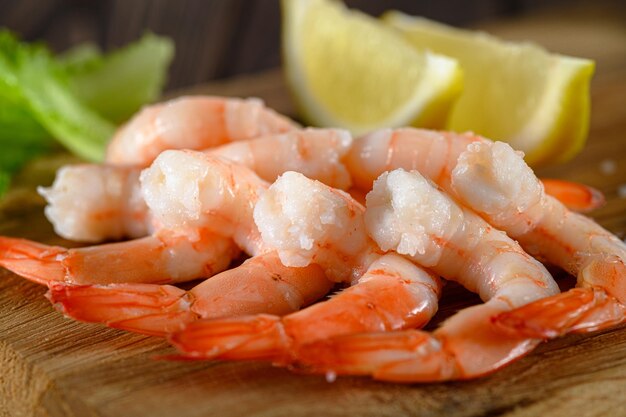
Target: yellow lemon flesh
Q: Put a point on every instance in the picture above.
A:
(346, 69)
(514, 92)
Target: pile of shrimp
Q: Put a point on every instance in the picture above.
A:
(193, 185)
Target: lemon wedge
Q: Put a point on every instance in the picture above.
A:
(346, 69)
(515, 92)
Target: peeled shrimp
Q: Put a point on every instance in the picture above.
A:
(188, 191)
(315, 153)
(92, 203)
(260, 285)
(434, 154)
(308, 222)
(202, 208)
(407, 214)
(159, 258)
(496, 182)
(193, 122)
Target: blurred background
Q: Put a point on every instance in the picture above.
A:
(221, 38)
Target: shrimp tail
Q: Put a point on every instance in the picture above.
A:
(155, 310)
(575, 196)
(406, 356)
(608, 272)
(466, 346)
(578, 310)
(34, 261)
(255, 337)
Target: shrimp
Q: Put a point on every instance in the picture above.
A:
(202, 206)
(315, 153)
(92, 203)
(434, 154)
(260, 285)
(193, 122)
(496, 182)
(460, 246)
(110, 204)
(308, 222)
(162, 257)
(189, 191)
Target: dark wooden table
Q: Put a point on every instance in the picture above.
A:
(51, 366)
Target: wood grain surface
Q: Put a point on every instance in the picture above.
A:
(51, 366)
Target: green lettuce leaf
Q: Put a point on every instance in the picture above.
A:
(75, 99)
(118, 84)
(34, 84)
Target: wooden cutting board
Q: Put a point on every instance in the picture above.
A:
(51, 366)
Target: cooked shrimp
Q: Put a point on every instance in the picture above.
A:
(308, 222)
(92, 203)
(407, 214)
(189, 190)
(159, 258)
(496, 182)
(260, 285)
(200, 205)
(316, 153)
(392, 294)
(193, 122)
(434, 154)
